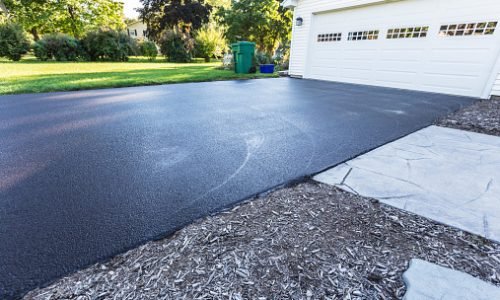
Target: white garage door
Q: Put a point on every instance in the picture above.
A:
(444, 46)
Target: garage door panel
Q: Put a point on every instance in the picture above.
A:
(454, 69)
(448, 83)
(401, 64)
(436, 63)
(396, 76)
(366, 55)
(445, 89)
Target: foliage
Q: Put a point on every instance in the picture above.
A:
(181, 15)
(129, 21)
(107, 44)
(210, 42)
(149, 50)
(177, 46)
(73, 17)
(263, 58)
(3, 12)
(61, 47)
(282, 57)
(264, 22)
(13, 41)
(217, 5)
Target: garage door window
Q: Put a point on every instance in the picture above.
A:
(329, 37)
(363, 35)
(407, 33)
(484, 28)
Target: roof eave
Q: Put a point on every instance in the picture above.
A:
(290, 4)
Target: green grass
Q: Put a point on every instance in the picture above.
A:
(32, 76)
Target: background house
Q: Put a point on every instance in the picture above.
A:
(443, 46)
(137, 30)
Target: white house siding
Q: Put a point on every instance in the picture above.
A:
(454, 65)
(136, 30)
(300, 35)
(496, 87)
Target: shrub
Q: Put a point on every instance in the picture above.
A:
(107, 44)
(210, 42)
(13, 41)
(177, 47)
(149, 50)
(282, 57)
(134, 46)
(263, 58)
(61, 47)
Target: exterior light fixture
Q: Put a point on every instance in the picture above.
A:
(299, 21)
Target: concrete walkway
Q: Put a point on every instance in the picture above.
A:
(449, 175)
(427, 281)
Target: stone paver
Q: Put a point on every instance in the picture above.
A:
(427, 281)
(449, 175)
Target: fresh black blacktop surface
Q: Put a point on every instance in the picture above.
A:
(87, 175)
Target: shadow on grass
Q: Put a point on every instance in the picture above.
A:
(137, 77)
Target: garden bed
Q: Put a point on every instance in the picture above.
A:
(482, 117)
(310, 241)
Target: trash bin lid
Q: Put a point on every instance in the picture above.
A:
(242, 43)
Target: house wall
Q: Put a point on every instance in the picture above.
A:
(300, 35)
(496, 87)
(138, 27)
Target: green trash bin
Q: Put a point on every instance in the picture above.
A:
(243, 53)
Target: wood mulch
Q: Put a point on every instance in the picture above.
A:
(481, 117)
(310, 241)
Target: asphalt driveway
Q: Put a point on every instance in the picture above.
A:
(86, 175)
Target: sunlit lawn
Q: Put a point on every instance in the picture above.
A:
(32, 76)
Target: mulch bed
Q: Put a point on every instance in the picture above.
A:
(310, 241)
(482, 117)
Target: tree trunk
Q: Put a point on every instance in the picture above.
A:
(34, 32)
(72, 16)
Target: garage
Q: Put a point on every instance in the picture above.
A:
(441, 46)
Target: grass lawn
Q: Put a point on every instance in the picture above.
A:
(32, 76)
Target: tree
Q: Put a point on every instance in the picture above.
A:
(3, 11)
(182, 16)
(33, 15)
(219, 3)
(129, 21)
(13, 41)
(264, 22)
(73, 17)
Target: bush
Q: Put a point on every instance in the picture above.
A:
(107, 44)
(263, 58)
(149, 50)
(13, 41)
(177, 47)
(282, 57)
(61, 47)
(210, 42)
